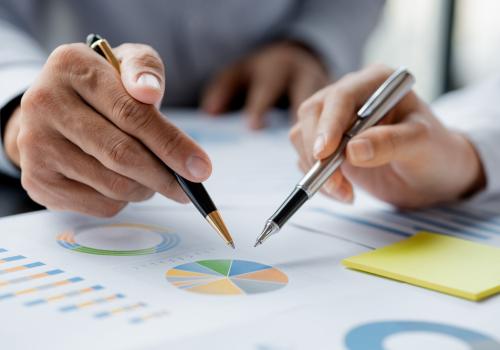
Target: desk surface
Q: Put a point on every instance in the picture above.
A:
(14, 199)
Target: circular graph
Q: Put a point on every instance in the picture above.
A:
(372, 335)
(226, 277)
(122, 239)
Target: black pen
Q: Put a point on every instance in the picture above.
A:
(195, 191)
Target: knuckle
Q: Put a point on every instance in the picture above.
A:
(36, 98)
(171, 143)
(422, 129)
(26, 140)
(71, 58)
(131, 113)
(67, 56)
(121, 186)
(123, 152)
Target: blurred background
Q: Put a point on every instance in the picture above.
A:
(446, 43)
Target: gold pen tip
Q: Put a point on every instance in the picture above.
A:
(215, 220)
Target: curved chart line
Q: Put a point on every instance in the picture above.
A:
(168, 240)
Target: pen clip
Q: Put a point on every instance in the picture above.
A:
(382, 100)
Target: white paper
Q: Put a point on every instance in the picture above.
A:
(126, 302)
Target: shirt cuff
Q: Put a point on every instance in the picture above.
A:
(19, 79)
(485, 142)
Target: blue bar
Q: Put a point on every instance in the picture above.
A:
(453, 229)
(2, 250)
(364, 222)
(54, 272)
(6, 296)
(35, 264)
(13, 258)
(494, 220)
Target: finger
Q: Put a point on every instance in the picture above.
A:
(338, 187)
(341, 103)
(115, 150)
(142, 72)
(382, 144)
(222, 89)
(100, 86)
(298, 143)
(265, 87)
(308, 121)
(79, 166)
(56, 192)
(303, 86)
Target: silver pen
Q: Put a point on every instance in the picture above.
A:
(378, 105)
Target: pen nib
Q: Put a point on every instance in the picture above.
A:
(218, 224)
(270, 229)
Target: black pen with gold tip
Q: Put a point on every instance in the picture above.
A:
(195, 191)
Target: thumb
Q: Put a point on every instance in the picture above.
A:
(142, 72)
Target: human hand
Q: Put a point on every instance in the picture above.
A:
(409, 160)
(281, 69)
(89, 140)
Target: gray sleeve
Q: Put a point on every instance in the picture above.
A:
(21, 60)
(336, 29)
(473, 112)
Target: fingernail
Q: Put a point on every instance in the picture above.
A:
(149, 80)
(331, 188)
(362, 150)
(344, 194)
(319, 144)
(198, 167)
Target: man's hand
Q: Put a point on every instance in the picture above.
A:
(90, 141)
(410, 160)
(282, 69)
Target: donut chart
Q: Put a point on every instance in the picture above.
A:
(122, 239)
(226, 277)
(372, 335)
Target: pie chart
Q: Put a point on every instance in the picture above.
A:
(226, 277)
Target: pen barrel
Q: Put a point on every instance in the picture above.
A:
(289, 207)
(197, 194)
(323, 169)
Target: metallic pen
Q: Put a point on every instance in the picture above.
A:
(378, 105)
(195, 191)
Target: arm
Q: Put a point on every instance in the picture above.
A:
(21, 60)
(473, 112)
(336, 30)
(322, 39)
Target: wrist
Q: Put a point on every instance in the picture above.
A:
(10, 133)
(473, 171)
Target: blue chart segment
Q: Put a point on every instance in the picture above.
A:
(167, 240)
(372, 335)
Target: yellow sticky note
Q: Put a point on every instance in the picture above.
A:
(443, 263)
